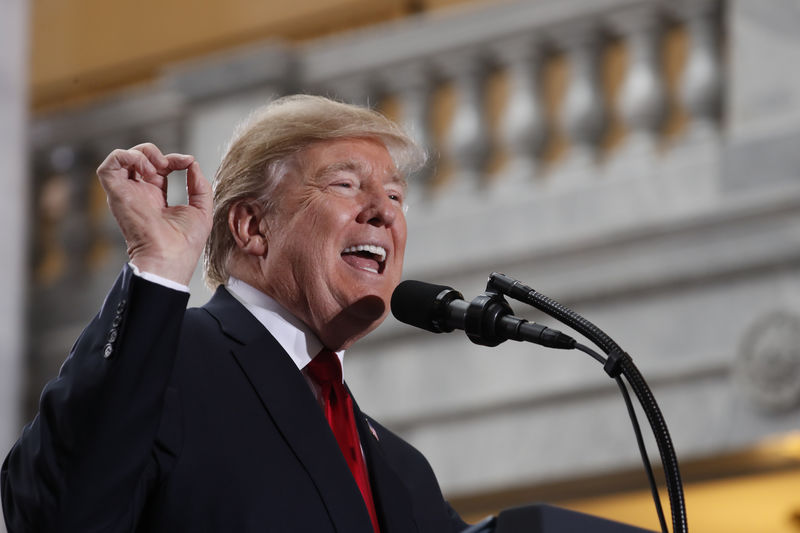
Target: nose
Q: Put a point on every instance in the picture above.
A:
(378, 209)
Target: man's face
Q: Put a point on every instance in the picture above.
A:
(336, 244)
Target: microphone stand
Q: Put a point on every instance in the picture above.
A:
(617, 363)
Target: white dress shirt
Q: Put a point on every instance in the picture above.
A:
(292, 334)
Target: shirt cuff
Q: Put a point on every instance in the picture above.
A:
(155, 278)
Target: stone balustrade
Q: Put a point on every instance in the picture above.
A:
(408, 63)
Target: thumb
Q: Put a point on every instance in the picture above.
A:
(198, 189)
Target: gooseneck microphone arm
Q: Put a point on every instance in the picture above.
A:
(488, 321)
(618, 363)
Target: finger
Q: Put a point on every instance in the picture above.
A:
(127, 160)
(173, 162)
(154, 155)
(178, 162)
(157, 180)
(198, 189)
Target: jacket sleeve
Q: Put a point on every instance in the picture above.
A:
(84, 462)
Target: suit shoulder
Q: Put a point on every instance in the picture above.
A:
(199, 327)
(197, 316)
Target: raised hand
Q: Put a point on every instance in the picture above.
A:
(162, 239)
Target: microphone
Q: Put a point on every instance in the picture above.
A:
(487, 320)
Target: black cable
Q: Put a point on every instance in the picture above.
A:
(643, 452)
(665, 447)
(637, 430)
(585, 349)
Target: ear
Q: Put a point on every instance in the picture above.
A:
(246, 224)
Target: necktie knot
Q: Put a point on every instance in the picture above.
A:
(326, 369)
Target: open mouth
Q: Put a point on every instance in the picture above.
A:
(369, 257)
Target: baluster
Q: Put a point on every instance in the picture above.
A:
(413, 84)
(74, 230)
(643, 95)
(701, 89)
(523, 126)
(584, 110)
(468, 140)
(52, 194)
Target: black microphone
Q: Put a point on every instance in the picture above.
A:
(487, 320)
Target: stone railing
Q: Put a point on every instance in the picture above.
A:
(672, 66)
(434, 72)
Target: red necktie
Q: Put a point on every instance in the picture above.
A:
(326, 370)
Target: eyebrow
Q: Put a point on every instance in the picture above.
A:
(348, 164)
(358, 167)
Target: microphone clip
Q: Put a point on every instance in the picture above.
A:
(483, 317)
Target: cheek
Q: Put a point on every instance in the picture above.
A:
(400, 242)
(308, 258)
(327, 215)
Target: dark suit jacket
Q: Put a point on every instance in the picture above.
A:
(173, 421)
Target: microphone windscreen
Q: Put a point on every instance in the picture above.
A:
(415, 303)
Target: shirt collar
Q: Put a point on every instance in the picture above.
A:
(292, 334)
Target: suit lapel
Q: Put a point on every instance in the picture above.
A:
(391, 495)
(284, 393)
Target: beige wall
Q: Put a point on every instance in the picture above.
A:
(82, 48)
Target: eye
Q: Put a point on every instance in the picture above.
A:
(343, 185)
(395, 196)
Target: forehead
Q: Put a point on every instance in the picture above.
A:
(365, 157)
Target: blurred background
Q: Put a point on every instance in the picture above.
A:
(638, 160)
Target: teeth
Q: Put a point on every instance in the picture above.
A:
(380, 251)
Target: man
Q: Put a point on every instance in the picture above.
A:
(219, 419)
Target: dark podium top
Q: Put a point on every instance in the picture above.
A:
(543, 518)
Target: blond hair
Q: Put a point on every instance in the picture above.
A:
(261, 151)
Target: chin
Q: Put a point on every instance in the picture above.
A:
(370, 308)
(355, 321)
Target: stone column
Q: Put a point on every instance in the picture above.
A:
(13, 215)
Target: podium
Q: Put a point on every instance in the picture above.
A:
(543, 518)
